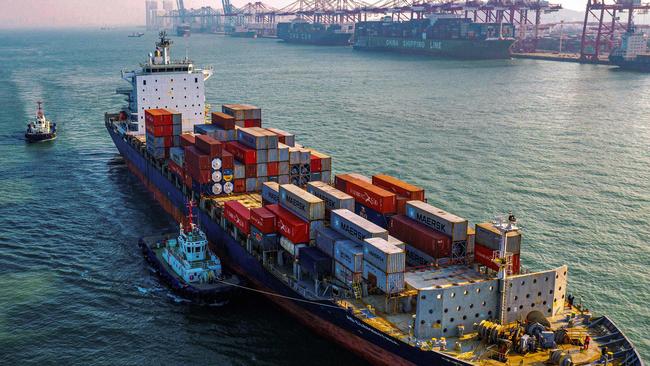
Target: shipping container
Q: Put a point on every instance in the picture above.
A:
(383, 255)
(242, 153)
(355, 227)
(208, 145)
(372, 215)
(349, 254)
(315, 262)
(388, 283)
(283, 136)
(326, 176)
(431, 242)
(490, 237)
(396, 242)
(290, 225)
(291, 247)
(242, 111)
(263, 219)
(437, 219)
(332, 197)
(283, 153)
(326, 239)
(273, 169)
(261, 169)
(194, 158)
(263, 242)
(398, 187)
(239, 170)
(252, 138)
(238, 215)
(223, 120)
(272, 139)
(294, 156)
(271, 155)
(283, 179)
(324, 161)
(483, 256)
(346, 276)
(175, 169)
(158, 117)
(301, 202)
(239, 185)
(367, 194)
(315, 163)
(187, 139)
(177, 154)
(270, 193)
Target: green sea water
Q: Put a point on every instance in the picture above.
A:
(564, 146)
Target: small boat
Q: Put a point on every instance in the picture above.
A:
(136, 35)
(188, 266)
(41, 129)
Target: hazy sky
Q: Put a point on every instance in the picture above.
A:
(60, 13)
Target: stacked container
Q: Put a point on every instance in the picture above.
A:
(384, 265)
(270, 193)
(348, 261)
(487, 240)
(431, 242)
(263, 229)
(238, 215)
(332, 197)
(372, 202)
(163, 128)
(244, 115)
(404, 191)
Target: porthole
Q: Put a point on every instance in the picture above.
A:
(509, 309)
(532, 305)
(451, 320)
(476, 315)
(465, 292)
(557, 276)
(483, 303)
(490, 313)
(452, 295)
(422, 321)
(423, 297)
(548, 310)
(562, 296)
(444, 330)
(535, 280)
(464, 317)
(565, 273)
(491, 288)
(510, 284)
(528, 296)
(478, 290)
(458, 308)
(430, 311)
(523, 283)
(438, 321)
(439, 296)
(521, 307)
(516, 298)
(544, 303)
(546, 279)
(446, 310)
(539, 293)
(560, 288)
(550, 292)
(471, 306)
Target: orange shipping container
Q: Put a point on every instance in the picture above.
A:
(158, 117)
(367, 194)
(398, 186)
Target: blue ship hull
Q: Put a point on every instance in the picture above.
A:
(324, 317)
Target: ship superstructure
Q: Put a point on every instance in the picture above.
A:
(168, 84)
(40, 129)
(633, 52)
(366, 261)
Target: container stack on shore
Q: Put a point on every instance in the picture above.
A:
(163, 128)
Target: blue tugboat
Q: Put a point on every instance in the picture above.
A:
(188, 266)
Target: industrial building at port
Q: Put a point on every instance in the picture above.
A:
(590, 40)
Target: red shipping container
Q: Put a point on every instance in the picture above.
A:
(263, 219)
(157, 117)
(239, 185)
(194, 158)
(483, 255)
(169, 140)
(401, 204)
(272, 169)
(252, 123)
(290, 225)
(431, 242)
(398, 187)
(208, 145)
(227, 160)
(367, 194)
(242, 153)
(251, 170)
(316, 164)
(159, 131)
(187, 140)
(223, 121)
(238, 215)
(201, 176)
(175, 168)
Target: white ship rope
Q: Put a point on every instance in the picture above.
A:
(278, 295)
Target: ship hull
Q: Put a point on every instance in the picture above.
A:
(323, 317)
(633, 65)
(461, 49)
(39, 137)
(243, 34)
(318, 38)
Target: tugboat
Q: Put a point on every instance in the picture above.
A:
(40, 129)
(188, 266)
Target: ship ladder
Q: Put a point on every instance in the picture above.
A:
(356, 289)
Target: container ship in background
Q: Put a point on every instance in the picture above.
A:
(633, 52)
(315, 33)
(442, 35)
(365, 261)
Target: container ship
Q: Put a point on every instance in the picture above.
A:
(441, 35)
(633, 52)
(363, 261)
(315, 33)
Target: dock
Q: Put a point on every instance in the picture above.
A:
(562, 57)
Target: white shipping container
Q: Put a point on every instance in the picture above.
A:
(354, 226)
(252, 138)
(385, 256)
(333, 198)
(396, 242)
(289, 246)
(391, 283)
(349, 254)
(301, 202)
(271, 192)
(437, 219)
